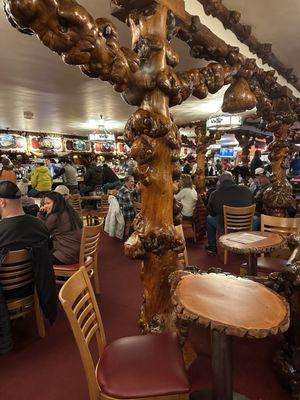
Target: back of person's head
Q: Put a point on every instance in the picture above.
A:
(10, 199)
(186, 181)
(39, 162)
(5, 162)
(257, 153)
(60, 205)
(63, 190)
(93, 164)
(226, 176)
(65, 160)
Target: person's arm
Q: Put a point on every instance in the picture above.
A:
(59, 173)
(210, 208)
(49, 220)
(86, 176)
(179, 196)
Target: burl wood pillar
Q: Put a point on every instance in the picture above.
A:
(245, 142)
(155, 145)
(279, 195)
(203, 140)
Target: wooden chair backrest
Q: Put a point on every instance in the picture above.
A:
(75, 201)
(182, 257)
(79, 302)
(16, 270)
(238, 218)
(281, 225)
(89, 242)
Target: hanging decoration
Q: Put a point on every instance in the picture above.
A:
(12, 142)
(223, 122)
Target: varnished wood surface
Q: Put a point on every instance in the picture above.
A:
(92, 198)
(230, 304)
(271, 242)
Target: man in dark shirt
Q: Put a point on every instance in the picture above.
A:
(110, 179)
(229, 194)
(19, 231)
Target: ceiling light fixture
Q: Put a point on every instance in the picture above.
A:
(101, 134)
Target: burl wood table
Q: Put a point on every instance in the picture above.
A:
(229, 306)
(270, 242)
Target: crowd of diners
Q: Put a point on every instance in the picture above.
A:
(52, 229)
(235, 186)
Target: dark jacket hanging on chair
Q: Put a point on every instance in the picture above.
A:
(44, 281)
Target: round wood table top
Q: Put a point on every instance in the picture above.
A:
(270, 242)
(232, 305)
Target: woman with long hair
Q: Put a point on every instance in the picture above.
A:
(64, 225)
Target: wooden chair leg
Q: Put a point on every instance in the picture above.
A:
(40, 323)
(225, 257)
(96, 278)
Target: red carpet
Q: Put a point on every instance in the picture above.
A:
(50, 368)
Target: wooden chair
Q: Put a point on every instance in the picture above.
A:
(75, 201)
(182, 257)
(16, 273)
(283, 226)
(137, 367)
(237, 219)
(88, 256)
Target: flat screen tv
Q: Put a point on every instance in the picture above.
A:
(226, 153)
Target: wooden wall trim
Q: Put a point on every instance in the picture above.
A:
(231, 20)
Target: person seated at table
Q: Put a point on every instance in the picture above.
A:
(41, 179)
(64, 225)
(63, 190)
(28, 203)
(7, 173)
(92, 178)
(126, 199)
(110, 179)
(21, 231)
(187, 197)
(69, 175)
(227, 193)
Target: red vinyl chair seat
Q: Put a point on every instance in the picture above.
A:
(267, 265)
(72, 267)
(142, 366)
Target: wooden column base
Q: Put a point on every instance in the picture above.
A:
(207, 394)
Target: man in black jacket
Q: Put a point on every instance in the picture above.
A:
(229, 194)
(92, 178)
(21, 231)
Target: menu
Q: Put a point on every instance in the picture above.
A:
(104, 147)
(245, 238)
(12, 142)
(47, 143)
(78, 145)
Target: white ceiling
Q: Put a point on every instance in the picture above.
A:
(65, 101)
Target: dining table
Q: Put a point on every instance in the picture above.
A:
(251, 243)
(228, 306)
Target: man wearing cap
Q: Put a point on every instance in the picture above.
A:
(228, 193)
(21, 231)
(63, 190)
(255, 184)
